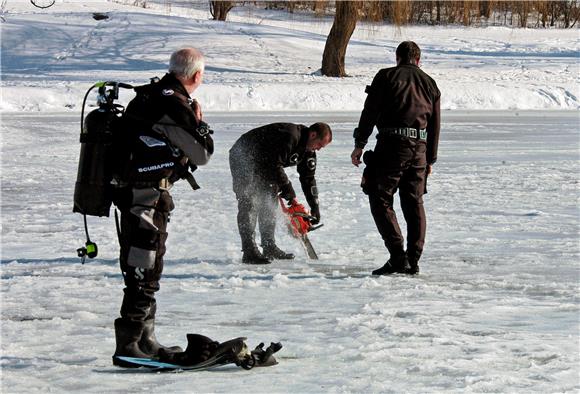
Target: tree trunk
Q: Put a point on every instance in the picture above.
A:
(567, 13)
(335, 49)
(575, 13)
(523, 13)
(401, 12)
(219, 9)
(467, 13)
(543, 10)
(485, 9)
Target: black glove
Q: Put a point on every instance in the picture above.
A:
(315, 213)
(287, 192)
(369, 157)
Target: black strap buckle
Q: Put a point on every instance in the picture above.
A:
(203, 129)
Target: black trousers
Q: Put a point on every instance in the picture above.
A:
(398, 163)
(257, 201)
(144, 217)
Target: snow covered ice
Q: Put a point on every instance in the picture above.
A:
(495, 308)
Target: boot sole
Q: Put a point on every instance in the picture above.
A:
(123, 364)
(396, 272)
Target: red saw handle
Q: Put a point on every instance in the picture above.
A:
(299, 218)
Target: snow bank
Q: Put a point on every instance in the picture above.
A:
(268, 61)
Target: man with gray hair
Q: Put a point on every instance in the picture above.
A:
(184, 65)
(164, 138)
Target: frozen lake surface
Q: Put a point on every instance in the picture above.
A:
(494, 309)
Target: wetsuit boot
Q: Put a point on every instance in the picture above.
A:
(148, 342)
(272, 251)
(252, 255)
(127, 335)
(395, 265)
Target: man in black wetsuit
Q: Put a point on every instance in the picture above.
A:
(257, 162)
(163, 135)
(403, 102)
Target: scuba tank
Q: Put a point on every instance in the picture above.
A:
(93, 193)
(93, 190)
